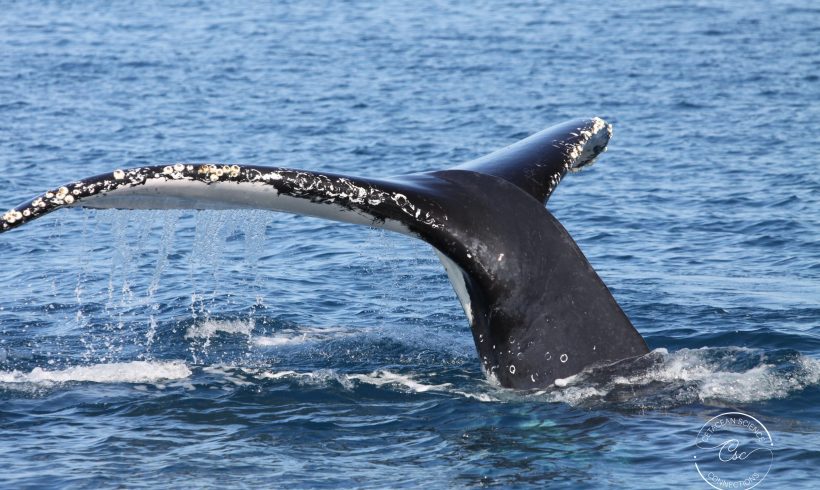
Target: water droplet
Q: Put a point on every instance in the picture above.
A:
(512, 369)
(564, 358)
(547, 356)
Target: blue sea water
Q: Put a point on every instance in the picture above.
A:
(251, 349)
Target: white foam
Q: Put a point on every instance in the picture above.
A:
(278, 340)
(562, 382)
(763, 382)
(576, 395)
(482, 397)
(293, 336)
(209, 328)
(227, 373)
(380, 378)
(711, 372)
(126, 372)
(278, 374)
(320, 377)
(712, 375)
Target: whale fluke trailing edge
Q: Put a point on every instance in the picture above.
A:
(537, 309)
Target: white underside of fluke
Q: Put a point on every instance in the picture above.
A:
(456, 275)
(224, 186)
(192, 194)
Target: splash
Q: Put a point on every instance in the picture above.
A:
(659, 380)
(710, 375)
(209, 328)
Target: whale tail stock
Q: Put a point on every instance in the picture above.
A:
(537, 309)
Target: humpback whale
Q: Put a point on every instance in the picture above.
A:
(537, 310)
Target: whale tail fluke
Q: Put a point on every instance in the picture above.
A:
(537, 309)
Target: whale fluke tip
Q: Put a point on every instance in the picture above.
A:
(594, 140)
(537, 163)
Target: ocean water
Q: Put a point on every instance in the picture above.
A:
(260, 350)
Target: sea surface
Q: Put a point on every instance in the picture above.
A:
(251, 349)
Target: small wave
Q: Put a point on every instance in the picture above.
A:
(126, 372)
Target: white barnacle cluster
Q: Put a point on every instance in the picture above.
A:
(214, 172)
(134, 176)
(176, 171)
(62, 196)
(12, 216)
(59, 197)
(70, 193)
